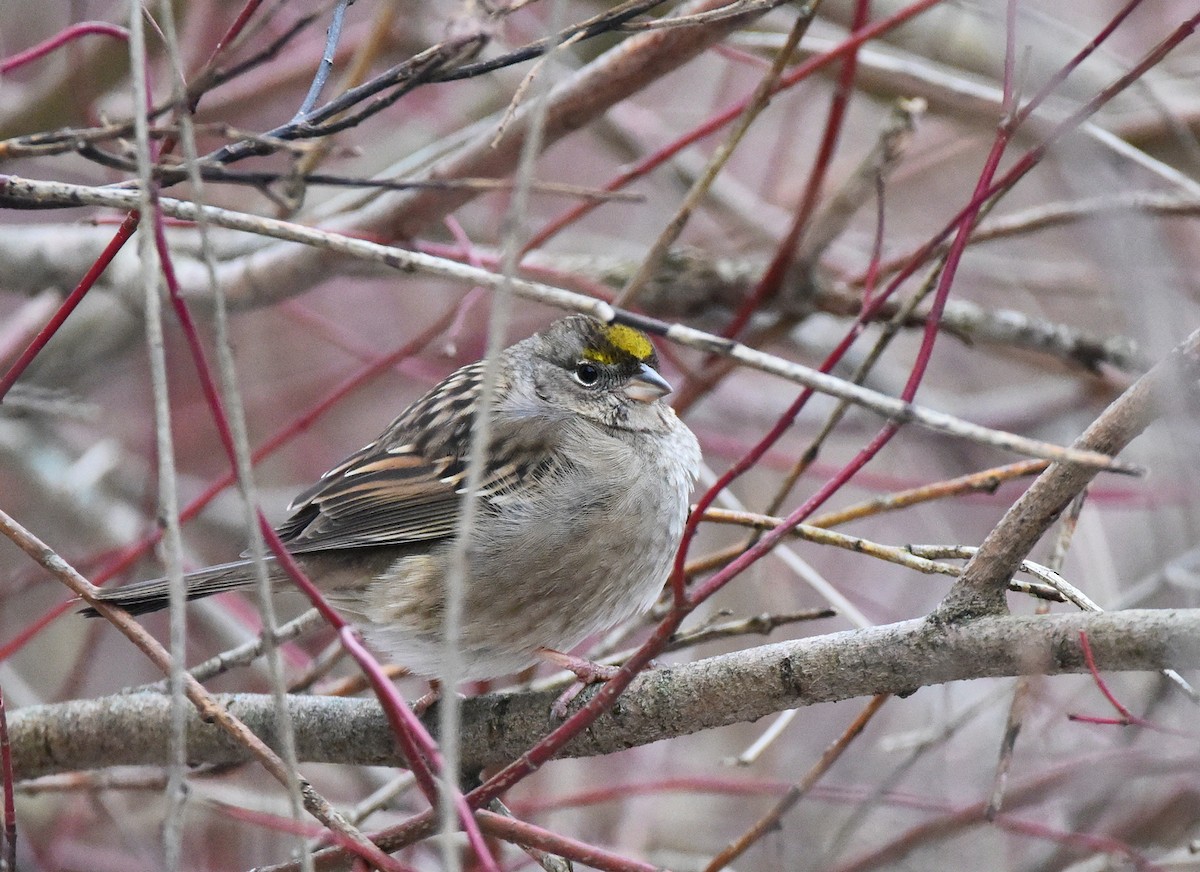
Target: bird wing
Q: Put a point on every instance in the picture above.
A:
(375, 497)
(406, 486)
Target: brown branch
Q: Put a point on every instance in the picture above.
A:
(207, 708)
(981, 588)
(662, 703)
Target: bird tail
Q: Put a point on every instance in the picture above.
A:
(152, 595)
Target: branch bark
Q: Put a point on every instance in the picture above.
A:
(980, 590)
(132, 729)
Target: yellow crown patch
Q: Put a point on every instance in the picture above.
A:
(622, 338)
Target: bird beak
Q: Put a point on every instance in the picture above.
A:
(647, 386)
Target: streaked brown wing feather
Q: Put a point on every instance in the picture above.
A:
(382, 499)
(406, 486)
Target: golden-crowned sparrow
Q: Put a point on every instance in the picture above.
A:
(580, 512)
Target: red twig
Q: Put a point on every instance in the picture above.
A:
(746, 462)
(68, 305)
(291, 826)
(802, 72)
(767, 286)
(522, 833)
(133, 553)
(416, 743)
(768, 540)
(1127, 717)
(985, 188)
(1034, 156)
(600, 702)
(130, 223)
(75, 31)
(234, 31)
(1083, 54)
(414, 739)
(544, 750)
(785, 253)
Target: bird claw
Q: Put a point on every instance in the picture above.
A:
(559, 709)
(422, 703)
(587, 671)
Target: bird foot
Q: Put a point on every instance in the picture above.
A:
(422, 704)
(587, 671)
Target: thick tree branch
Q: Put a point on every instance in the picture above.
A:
(672, 701)
(980, 590)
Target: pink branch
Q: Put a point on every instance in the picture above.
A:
(68, 305)
(542, 839)
(75, 31)
(802, 72)
(311, 831)
(785, 252)
(414, 739)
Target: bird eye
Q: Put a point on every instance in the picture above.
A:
(587, 374)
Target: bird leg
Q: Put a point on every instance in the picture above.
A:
(587, 671)
(422, 704)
